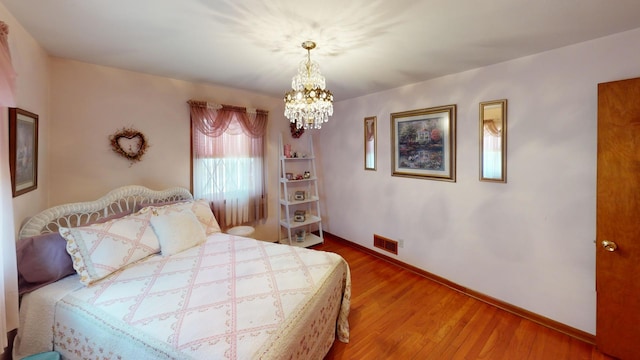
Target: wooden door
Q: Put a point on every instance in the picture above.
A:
(618, 219)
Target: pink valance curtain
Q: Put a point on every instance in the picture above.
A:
(214, 120)
(491, 128)
(8, 276)
(228, 161)
(369, 130)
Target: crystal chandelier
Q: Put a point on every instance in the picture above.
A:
(308, 104)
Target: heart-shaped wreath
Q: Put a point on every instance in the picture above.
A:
(129, 143)
(295, 132)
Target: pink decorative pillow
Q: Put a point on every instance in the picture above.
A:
(200, 208)
(101, 249)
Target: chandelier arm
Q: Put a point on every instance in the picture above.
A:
(308, 63)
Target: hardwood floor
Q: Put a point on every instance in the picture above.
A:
(398, 314)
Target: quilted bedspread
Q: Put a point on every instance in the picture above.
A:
(229, 298)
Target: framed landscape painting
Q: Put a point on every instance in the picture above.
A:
(424, 143)
(23, 150)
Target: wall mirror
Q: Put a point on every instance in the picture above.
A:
(493, 141)
(370, 143)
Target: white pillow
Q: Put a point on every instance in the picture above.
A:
(199, 208)
(100, 249)
(177, 231)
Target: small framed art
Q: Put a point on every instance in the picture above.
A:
(424, 143)
(493, 141)
(23, 150)
(370, 143)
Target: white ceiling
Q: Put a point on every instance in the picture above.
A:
(364, 46)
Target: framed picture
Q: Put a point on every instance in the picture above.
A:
(370, 143)
(23, 150)
(423, 143)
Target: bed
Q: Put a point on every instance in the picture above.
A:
(153, 277)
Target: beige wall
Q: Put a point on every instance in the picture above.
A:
(32, 93)
(31, 63)
(528, 242)
(90, 102)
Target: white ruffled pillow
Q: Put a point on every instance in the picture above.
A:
(101, 249)
(177, 231)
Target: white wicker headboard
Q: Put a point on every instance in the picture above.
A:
(123, 199)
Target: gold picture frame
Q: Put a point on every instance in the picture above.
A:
(493, 141)
(370, 143)
(423, 143)
(23, 151)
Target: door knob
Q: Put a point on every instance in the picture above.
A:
(609, 245)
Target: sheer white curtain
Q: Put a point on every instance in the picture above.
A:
(492, 157)
(370, 149)
(7, 234)
(228, 161)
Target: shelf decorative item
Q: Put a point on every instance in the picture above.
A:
(287, 150)
(299, 216)
(298, 195)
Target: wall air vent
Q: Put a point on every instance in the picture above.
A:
(385, 244)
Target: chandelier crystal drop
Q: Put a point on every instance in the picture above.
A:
(309, 103)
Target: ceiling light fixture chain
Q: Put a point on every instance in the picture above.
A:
(309, 104)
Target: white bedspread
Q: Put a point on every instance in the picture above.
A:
(35, 333)
(230, 298)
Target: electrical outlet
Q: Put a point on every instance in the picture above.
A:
(401, 243)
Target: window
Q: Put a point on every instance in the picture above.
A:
(228, 161)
